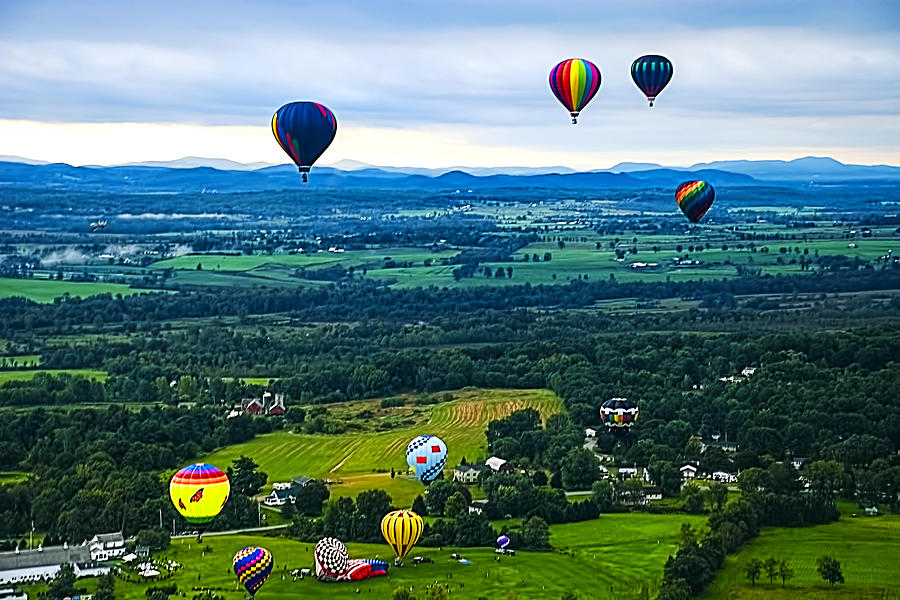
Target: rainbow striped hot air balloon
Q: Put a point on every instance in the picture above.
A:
(574, 82)
(252, 567)
(199, 492)
(304, 130)
(694, 199)
(618, 414)
(401, 530)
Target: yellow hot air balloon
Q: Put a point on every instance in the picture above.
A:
(199, 492)
(401, 530)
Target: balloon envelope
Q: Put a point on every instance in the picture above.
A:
(252, 567)
(574, 82)
(401, 530)
(651, 73)
(618, 414)
(694, 199)
(503, 541)
(199, 492)
(427, 455)
(331, 556)
(304, 130)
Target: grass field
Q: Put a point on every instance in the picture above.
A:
(27, 375)
(7, 477)
(611, 555)
(867, 547)
(43, 290)
(362, 460)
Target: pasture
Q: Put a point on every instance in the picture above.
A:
(867, 547)
(611, 556)
(362, 460)
(45, 290)
(28, 375)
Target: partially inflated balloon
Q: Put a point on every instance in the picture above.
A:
(651, 73)
(694, 199)
(252, 567)
(304, 130)
(199, 492)
(427, 455)
(574, 82)
(332, 560)
(401, 530)
(619, 414)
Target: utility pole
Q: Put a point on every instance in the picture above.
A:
(160, 519)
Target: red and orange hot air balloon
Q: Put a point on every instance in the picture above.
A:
(574, 82)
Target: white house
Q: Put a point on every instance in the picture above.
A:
(467, 474)
(12, 594)
(280, 497)
(798, 462)
(872, 511)
(652, 493)
(688, 471)
(24, 566)
(106, 546)
(724, 477)
(498, 465)
(627, 472)
(590, 433)
(477, 506)
(748, 371)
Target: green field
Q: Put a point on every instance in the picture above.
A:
(28, 375)
(867, 547)
(375, 257)
(608, 557)
(362, 460)
(7, 477)
(44, 290)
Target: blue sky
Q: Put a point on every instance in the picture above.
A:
(454, 82)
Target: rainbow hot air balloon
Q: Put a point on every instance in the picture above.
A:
(618, 414)
(199, 492)
(427, 455)
(574, 82)
(694, 199)
(651, 73)
(252, 567)
(304, 130)
(401, 530)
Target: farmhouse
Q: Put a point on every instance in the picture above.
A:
(21, 566)
(106, 546)
(688, 471)
(498, 465)
(590, 433)
(724, 477)
(270, 404)
(477, 506)
(284, 492)
(467, 473)
(652, 493)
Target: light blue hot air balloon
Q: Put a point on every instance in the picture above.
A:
(427, 455)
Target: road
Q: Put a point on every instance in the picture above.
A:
(233, 531)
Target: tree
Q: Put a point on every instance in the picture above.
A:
(437, 592)
(716, 495)
(63, 585)
(536, 533)
(753, 570)
(785, 572)
(674, 589)
(687, 536)
(310, 498)
(437, 495)
(771, 568)
(693, 498)
(244, 477)
(666, 475)
(579, 469)
(830, 569)
(106, 587)
(455, 506)
(402, 593)
(154, 538)
(604, 495)
(418, 506)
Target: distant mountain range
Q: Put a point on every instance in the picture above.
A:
(194, 174)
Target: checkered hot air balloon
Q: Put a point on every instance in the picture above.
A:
(252, 567)
(427, 455)
(618, 414)
(332, 560)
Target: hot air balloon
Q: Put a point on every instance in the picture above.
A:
(694, 199)
(332, 560)
(199, 492)
(304, 130)
(618, 414)
(401, 530)
(503, 542)
(427, 455)
(651, 73)
(574, 82)
(252, 567)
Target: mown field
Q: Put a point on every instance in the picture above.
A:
(28, 375)
(362, 460)
(44, 290)
(610, 557)
(867, 547)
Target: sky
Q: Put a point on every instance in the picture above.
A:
(455, 82)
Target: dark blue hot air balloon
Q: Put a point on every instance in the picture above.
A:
(304, 130)
(651, 73)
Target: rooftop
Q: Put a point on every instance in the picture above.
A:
(52, 555)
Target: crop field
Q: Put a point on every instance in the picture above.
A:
(608, 557)
(28, 375)
(362, 460)
(867, 547)
(45, 290)
(375, 257)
